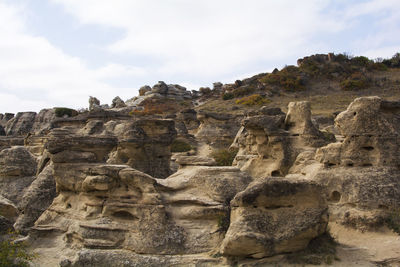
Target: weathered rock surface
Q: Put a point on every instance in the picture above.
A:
(195, 161)
(17, 161)
(275, 216)
(17, 171)
(270, 141)
(21, 124)
(37, 198)
(44, 121)
(217, 130)
(361, 173)
(7, 209)
(145, 145)
(117, 102)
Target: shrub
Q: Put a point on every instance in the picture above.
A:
(361, 61)
(61, 112)
(227, 96)
(205, 90)
(393, 62)
(393, 221)
(356, 81)
(378, 66)
(180, 146)
(342, 57)
(14, 254)
(224, 157)
(253, 100)
(289, 78)
(242, 91)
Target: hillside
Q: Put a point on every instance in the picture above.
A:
(297, 167)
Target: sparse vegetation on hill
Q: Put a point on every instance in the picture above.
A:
(61, 112)
(180, 146)
(224, 157)
(253, 100)
(13, 254)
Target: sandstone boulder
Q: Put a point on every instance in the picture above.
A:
(94, 103)
(273, 216)
(270, 141)
(117, 102)
(44, 121)
(8, 209)
(17, 161)
(145, 145)
(21, 124)
(197, 199)
(37, 198)
(195, 161)
(144, 89)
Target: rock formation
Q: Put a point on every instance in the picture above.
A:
(270, 140)
(97, 189)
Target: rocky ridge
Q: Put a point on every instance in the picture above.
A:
(103, 188)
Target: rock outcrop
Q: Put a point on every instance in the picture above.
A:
(274, 216)
(270, 140)
(361, 173)
(21, 124)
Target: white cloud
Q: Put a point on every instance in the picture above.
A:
(208, 37)
(34, 74)
(188, 42)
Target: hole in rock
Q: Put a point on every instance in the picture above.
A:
(124, 215)
(355, 113)
(384, 207)
(335, 196)
(368, 148)
(295, 134)
(276, 173)
(367, 165)
(69, 206)
(350, 164)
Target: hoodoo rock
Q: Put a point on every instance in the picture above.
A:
(274, 216)
(140, 183)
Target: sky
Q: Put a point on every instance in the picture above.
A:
(57, 53)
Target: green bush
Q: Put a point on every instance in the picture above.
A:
(180, 146)
(205, 90)
(393, 221)
(393, 62)
(253, 100)
(243, 91)
(61, 112)
(355, 81)
(14, 254)
(227, 96)
(224, 157)
(289, 78)
(361, 61)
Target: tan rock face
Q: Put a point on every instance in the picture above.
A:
(274, 216)
(17, 171)
(111, 206)
(17, 161)
(21, 124)
(36, 199)
(218, 130)
(145, 145)
(360, 174)
(270, 141)
(371, 128)
(197, 200)
(8, 209)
